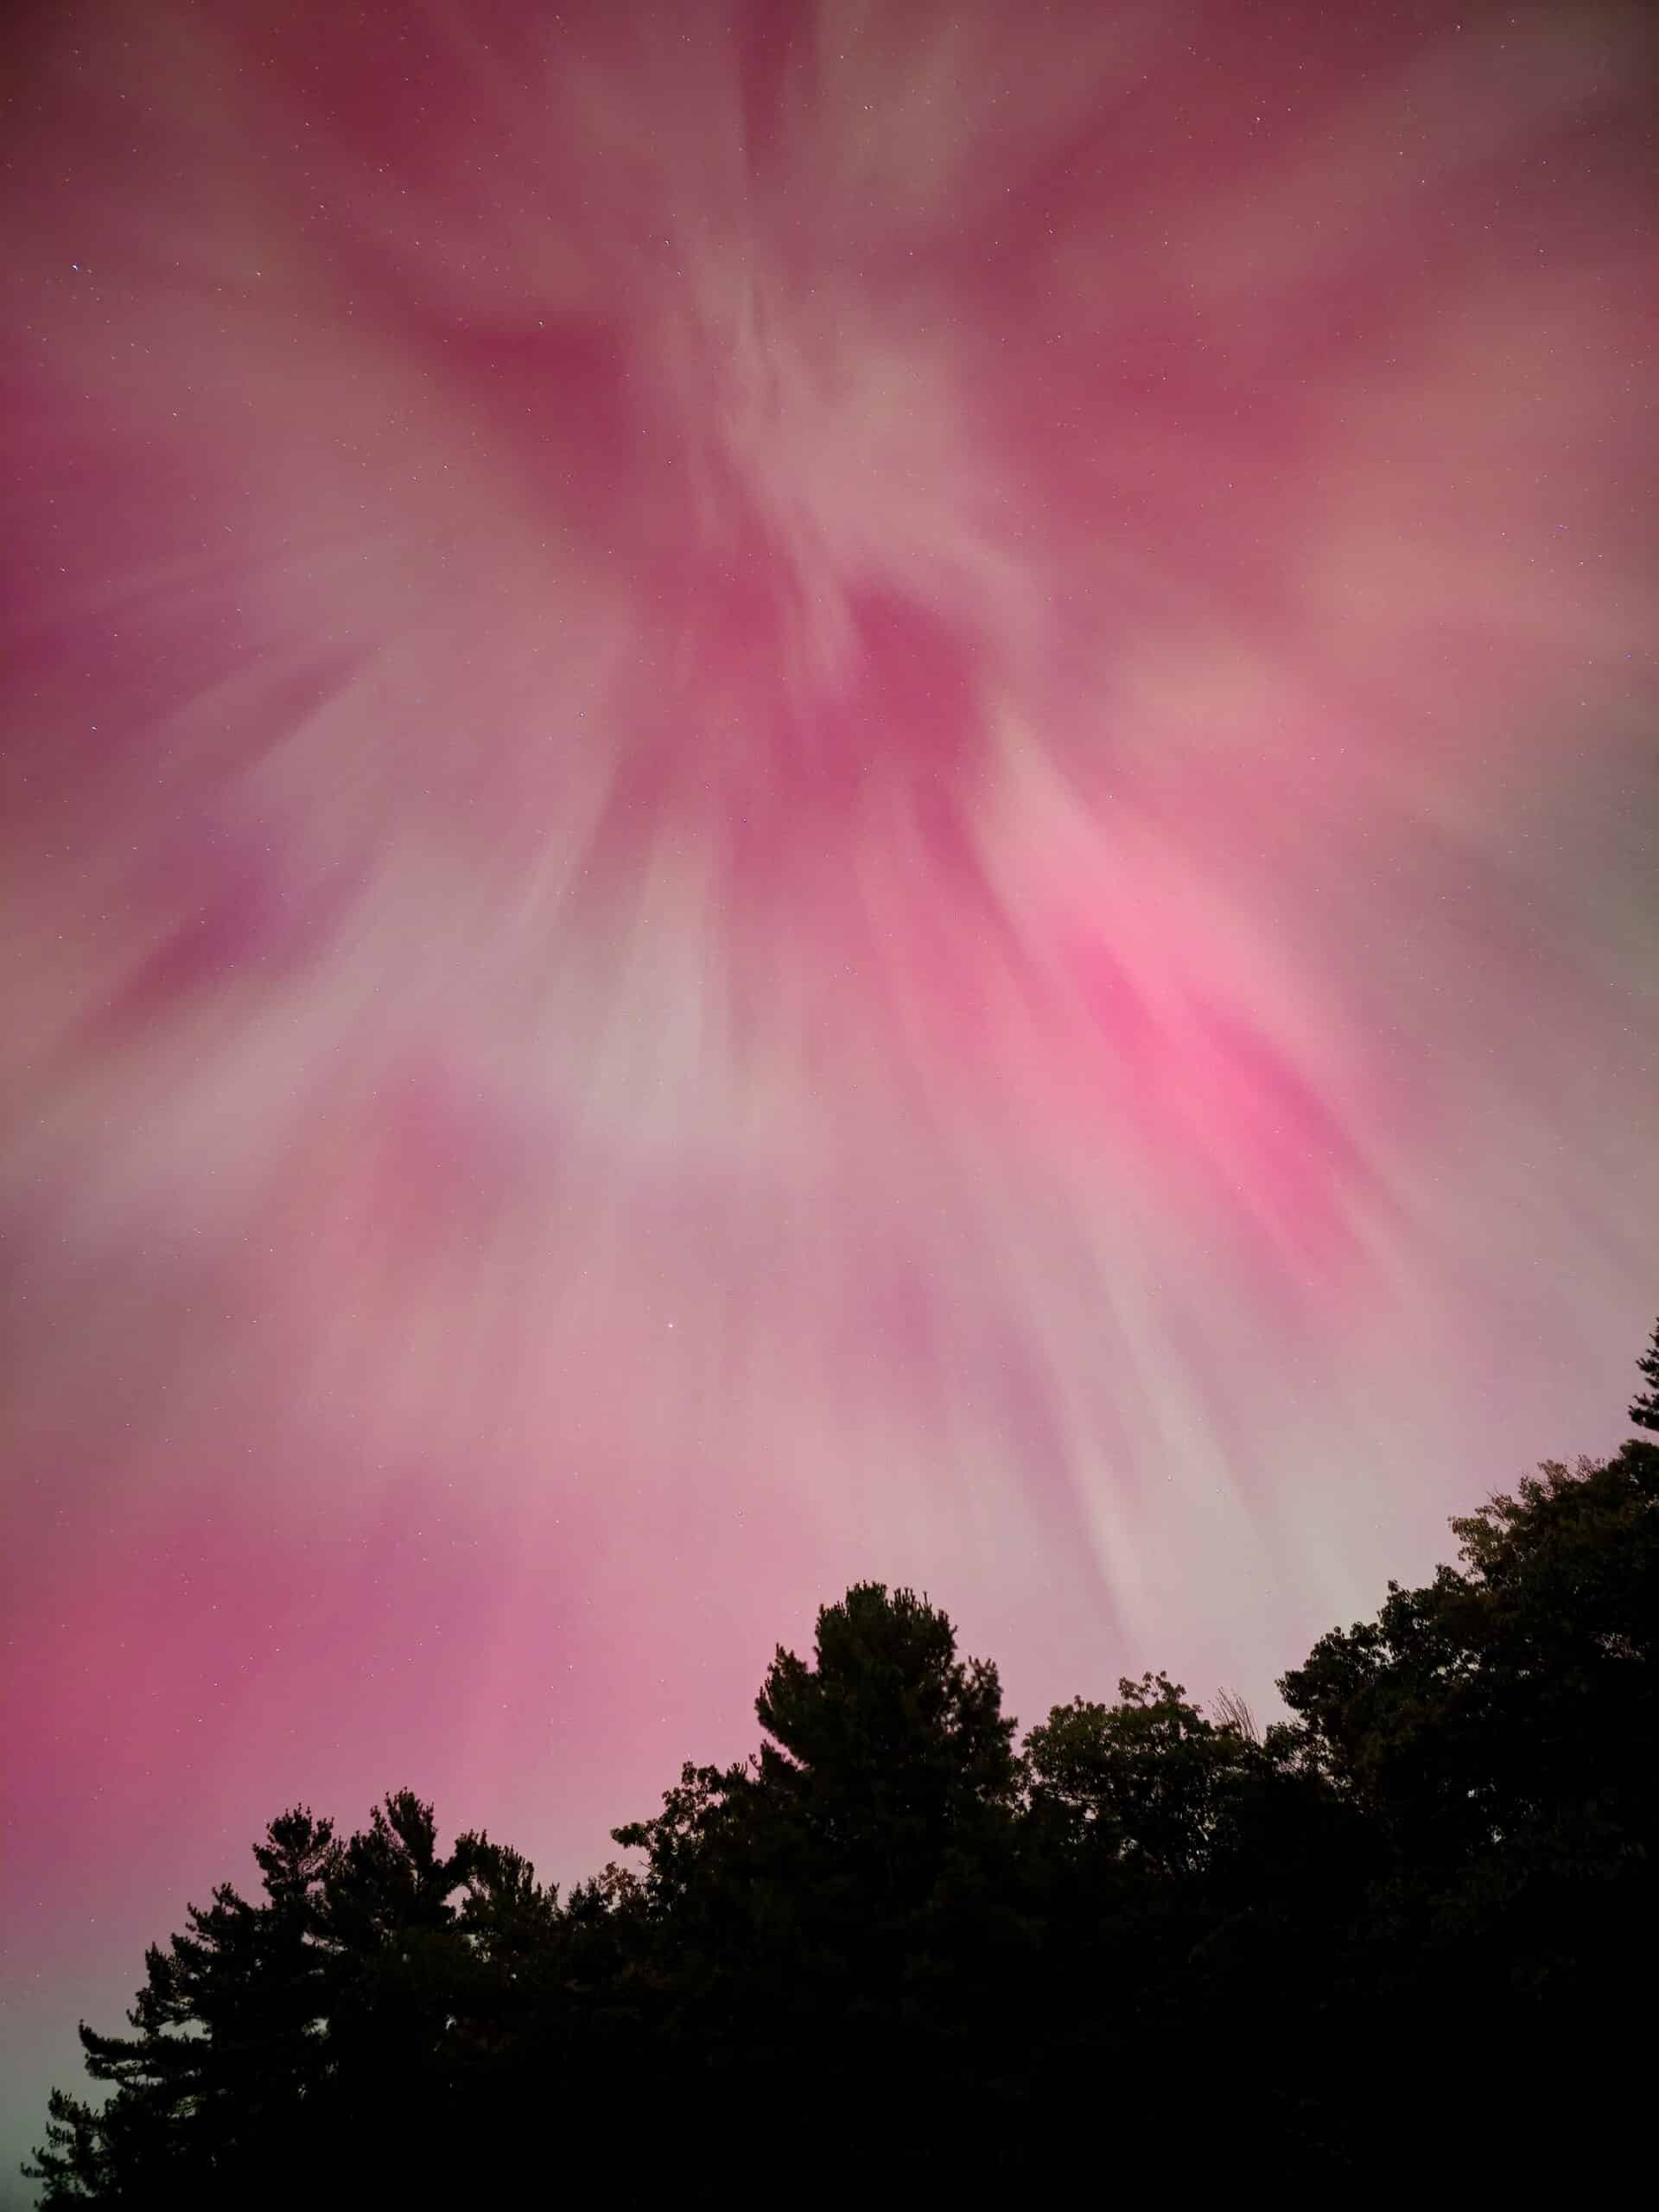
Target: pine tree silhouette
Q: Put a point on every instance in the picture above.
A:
(1645, 1410)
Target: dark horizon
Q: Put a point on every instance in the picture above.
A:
(896, 1949)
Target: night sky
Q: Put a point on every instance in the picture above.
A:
(786, 792)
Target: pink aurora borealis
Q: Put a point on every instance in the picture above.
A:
(787, 792)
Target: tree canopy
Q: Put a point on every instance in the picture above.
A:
(894, 1951)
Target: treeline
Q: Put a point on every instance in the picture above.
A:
(1405, 1937)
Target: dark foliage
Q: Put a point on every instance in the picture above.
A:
(1644, 1412)
(1411, 1930)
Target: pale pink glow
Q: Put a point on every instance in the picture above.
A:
(789, 793)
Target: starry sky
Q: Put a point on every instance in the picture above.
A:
(787, 791)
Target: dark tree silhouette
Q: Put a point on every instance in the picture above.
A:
(1144, 1782)
(889, 1953)
(213, 2082)
(1645, 1410)
(325, 2028)
(1498, 1731)
(806, 1913)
